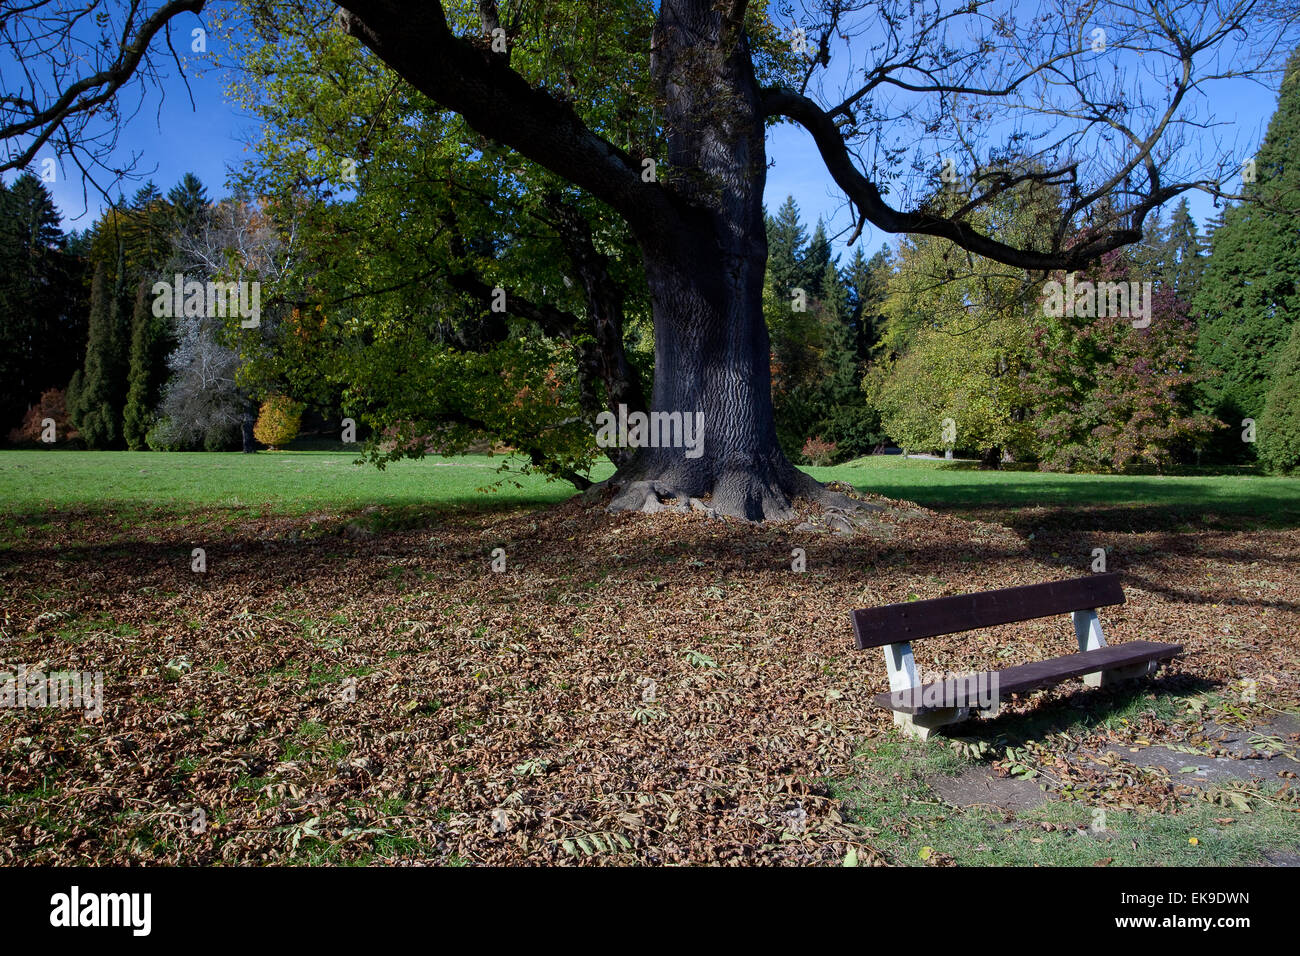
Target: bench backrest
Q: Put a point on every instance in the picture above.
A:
(877, 626)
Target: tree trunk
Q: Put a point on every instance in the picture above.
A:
(706, 284)
(246, 423)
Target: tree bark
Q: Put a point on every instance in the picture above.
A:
(247, 421)
(712, 353)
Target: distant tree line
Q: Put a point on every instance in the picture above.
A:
(924, 346)
(936, 349)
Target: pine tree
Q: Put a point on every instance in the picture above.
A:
(1249, 297)
(1184, 259)
(867, 282)
(848, 421)
(815, 261)
(785, 249)
(843, 373)
(1279, 425)
(189, 201)
(41, 300)
(98, 399)
(143, 378)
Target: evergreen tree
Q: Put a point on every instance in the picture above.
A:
(145, 196)
(144, 378)
(42, 319)
(188, 200)
(1184, 258)
(849, 422)
(1279, 425)
(1249, 297)
(99, 395)
(815, 262)
(868, 280)
(785, 249)
(844, 373)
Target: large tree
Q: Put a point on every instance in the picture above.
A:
(1249, 296)
(919, 82)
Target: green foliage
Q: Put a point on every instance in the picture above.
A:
(42, 299)
(1279, 425)
(953, 344)
(162, 436)
(785, 247)
(278, 421)
(114, 395)
(100, 391)
(146, 359)
(1112, 397)
(1249, 298)
(394, 323)
(188, 200)
(818, 354)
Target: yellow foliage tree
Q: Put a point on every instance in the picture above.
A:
(278, 421)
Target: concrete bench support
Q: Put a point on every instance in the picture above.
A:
(1087, 628)
(901, 666)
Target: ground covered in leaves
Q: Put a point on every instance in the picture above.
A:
(629, 689)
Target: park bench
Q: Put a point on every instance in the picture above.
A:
(920, 708)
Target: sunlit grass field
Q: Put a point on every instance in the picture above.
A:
(298, 482)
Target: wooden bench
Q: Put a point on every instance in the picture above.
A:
(920, 708)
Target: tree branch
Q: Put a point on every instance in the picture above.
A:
(414, 39)
(864, 193)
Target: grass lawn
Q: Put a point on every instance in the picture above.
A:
(299, 482)
(284, 482)
(963, 487)
(890, 795)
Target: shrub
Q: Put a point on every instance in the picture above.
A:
(278, 421)
(163, 436)
(818, 452)
(53, 405)
(226, 438)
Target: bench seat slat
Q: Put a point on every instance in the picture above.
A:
(1035, 675)
(878, 626)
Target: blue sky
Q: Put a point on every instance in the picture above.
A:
(172, 137)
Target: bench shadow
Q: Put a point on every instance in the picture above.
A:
(1084, 709)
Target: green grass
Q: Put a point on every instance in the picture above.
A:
(962, 486)
(906, 821)
(289, 482)
(299, 482)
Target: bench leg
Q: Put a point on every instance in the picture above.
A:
(1087, 628)
(921, 726)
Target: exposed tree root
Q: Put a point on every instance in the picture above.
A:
(782, 493)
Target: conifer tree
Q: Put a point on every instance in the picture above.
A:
(786, 239)
(143, 378)
(1279, 425)
(98, 399)
(1249, 298)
